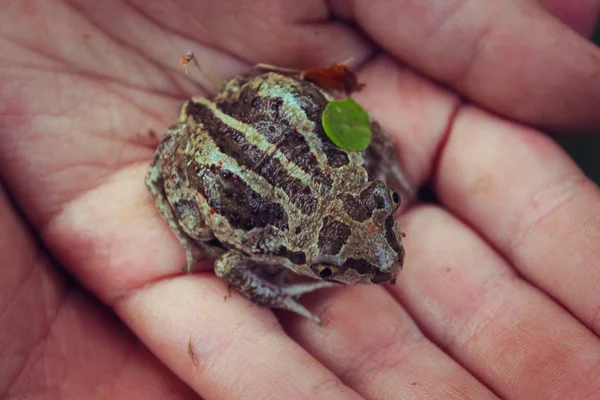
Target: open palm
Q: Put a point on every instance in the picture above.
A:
(499, 296)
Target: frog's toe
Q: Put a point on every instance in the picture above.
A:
(294, 291)
(290, 304)
(301, 288)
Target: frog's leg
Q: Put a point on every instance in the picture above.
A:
(191, 222)
(381, 160)
(194, 248)
(244, 275)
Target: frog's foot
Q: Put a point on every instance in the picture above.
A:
(247, 279)
(281, 277)
(195, 250)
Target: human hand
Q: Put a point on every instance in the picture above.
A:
(499, 292)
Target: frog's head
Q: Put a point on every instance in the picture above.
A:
(361, 241)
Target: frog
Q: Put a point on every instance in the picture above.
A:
(249, 178)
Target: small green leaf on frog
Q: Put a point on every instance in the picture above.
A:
(347, 124)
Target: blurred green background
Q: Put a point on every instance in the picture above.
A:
(585, 150)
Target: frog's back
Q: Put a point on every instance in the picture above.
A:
(266, 169)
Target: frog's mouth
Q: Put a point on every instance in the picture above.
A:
(384, 276)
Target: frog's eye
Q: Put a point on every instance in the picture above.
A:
(325, 271)
(395, 198)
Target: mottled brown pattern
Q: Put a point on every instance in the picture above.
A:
(254, 110)
(359, 265)
(184, 207)
(300, 194)
(297, 257)
(295, 148)
(335, 157)
(234, 144)
(333, 236)
(232, 198)
(371, 198)
(264, 115)
(229, 141)
(354, 208)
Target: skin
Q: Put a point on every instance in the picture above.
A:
(498, 296)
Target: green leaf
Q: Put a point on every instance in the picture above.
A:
(347, 124)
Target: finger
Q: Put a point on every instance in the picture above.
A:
(371, 343)
(224, 347)
(509, 56)
(48, 321)
(117, 244)
(509, 334)
(580, 15)
(529, 200)
(282, 32)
